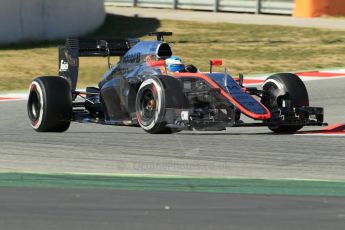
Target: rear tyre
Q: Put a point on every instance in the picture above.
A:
(150, 107)
(281, 88)
(50, 104)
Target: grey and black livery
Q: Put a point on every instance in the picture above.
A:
(139, 91)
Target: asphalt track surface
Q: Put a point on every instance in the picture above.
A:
(247, 153)
(90, 209)
(237, 152)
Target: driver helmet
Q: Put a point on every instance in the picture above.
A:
(174, 64)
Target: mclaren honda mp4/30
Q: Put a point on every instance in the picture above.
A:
(139, 91)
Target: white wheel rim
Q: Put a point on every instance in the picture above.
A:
(158, 103)
(38, 88)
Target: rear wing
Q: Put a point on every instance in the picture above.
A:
(75, 48)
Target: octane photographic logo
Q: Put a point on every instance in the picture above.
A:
(172, 167)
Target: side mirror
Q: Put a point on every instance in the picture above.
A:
(215, 62)
(104, 45)
(240, 79)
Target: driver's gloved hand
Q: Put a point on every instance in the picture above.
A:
(191, 68)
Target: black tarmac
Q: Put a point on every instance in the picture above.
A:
(91, 209)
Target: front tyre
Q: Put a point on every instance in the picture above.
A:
(150, 106)
(50, 104)
(284, 90)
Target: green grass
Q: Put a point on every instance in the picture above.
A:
(248, 49)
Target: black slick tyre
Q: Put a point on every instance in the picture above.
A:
(49, 104)
(150, 107)
(279, 87)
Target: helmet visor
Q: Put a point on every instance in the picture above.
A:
(175, 67)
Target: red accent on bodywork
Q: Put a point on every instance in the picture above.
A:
(335, 128)
(321, 132)
(227, 96)
(152, 63)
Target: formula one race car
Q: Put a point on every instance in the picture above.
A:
(139, 90)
